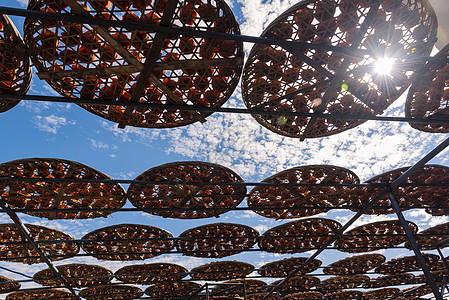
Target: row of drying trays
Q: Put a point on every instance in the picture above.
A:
(166, 279)
(331, 72)
(63, 189)
(125, 242)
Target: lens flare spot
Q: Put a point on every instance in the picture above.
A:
(344, 86)
(281, 120)
(316, 102)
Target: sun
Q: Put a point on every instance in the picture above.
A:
(384, 66)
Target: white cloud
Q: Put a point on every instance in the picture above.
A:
(51, 123)
(99, 145)
(23, 3)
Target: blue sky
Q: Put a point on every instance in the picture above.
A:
(33, 129)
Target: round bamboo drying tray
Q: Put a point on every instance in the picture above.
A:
(254, 290)
(428, 97)
(77, 275)
(216, 240)
(7, 286)
(412, 195)
(385, 293)
(222, 270)
(15, 67)
(344, 295)
(358, 264)
(59, 195)
(303, 295)
(39, 294)
(111, 292)
(413, 293)
(150, 273)
(127, 242)
(284, 267)
(405, 264)
(370, 237)
(216, 199)
(389, 280)
(432, 236)
(343, 282)
(440, 277)
(24, 252)
(172, 290)
(292, 196)
(307, 80)
(298, 236)
(117, 64)
(298, 283)
(252, 287)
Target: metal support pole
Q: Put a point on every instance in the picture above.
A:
(244, 291)
(443, 285)
(394, 184)
(429, 278)
(207, 291)
(26, 234)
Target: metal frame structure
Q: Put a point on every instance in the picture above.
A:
(163, 30)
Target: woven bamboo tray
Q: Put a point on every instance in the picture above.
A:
(412, 195)
(150, 273)
(292, 196)
(370, 237)
(385, 293)
(358, 264)
(304, 295)
(405, 264)
(111, 292)
(127, 242)
(254, 290)
(428, 97)
(298, 283)
(6, 286)
(222, 270)
(117, 64)
(59, 195)
(77, 275)
(15, 67)
(40, 294)
(307, 80)
(172, 290)
(413, 295)
(260, 296)
(440, 277)
(389, 280)
(344, 295)
(24, 252)
(216, 240)
(342, 282)
(298, 236)
(252, 286)
(284, 267)
(432, 236)
(217, 199)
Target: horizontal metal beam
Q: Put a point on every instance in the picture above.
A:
(250, 111)
(209, 183)
(176, 30)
